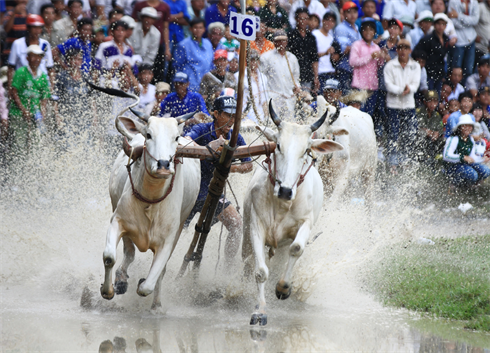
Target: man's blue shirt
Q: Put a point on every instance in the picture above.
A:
(213, 15)
(85, 47)
(452, 121)
(202, 134)
(176, 31)
(194, 59)
(346, 34)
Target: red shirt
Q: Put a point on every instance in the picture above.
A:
(163, 11)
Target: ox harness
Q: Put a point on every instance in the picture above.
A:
(135, 192)
(272, 177)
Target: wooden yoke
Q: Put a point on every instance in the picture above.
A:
(202, 152)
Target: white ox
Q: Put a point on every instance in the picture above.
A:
(354, 130)
(149, 225)
(279, 210)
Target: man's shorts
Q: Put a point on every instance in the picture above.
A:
(222, 204)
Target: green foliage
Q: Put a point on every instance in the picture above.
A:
(449, 279)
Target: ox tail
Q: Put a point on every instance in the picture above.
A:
(116, 93)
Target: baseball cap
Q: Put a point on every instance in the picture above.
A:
(331, 84)
(149, 11)
(429, 95)
(225, 104)
(129, 21)
(35, 49)
(407, 20)
(441, 16)
(394, 21)
(162, 87)
(34, 20)
(220, 54)
(349, 5)
(484, 89)
(403, 41)
(280, 35)
(180, 77)
(425, 15)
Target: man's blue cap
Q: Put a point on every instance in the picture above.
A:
(225, 104)
(180, 77)
(331, 84)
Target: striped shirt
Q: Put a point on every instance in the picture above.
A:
(18, 30)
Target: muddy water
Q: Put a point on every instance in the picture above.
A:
(53, 225)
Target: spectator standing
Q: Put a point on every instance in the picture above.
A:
(439, 6)
(402, 79)
(228, 41)
(18, 52)
(195, 10)
(182, 101)
(29, 92)
(146, 89)
(59, 9)
(479, 79)
(162, 89)
(215, 81)
(302, 44)
(261, 43)
(435, 46)
(465, 104)
(82, 42)
(146, 37)
(431, 127)
(216, 31)
(219, 12)
(421, 58)
(459, 154)
(274, 17)
(422, 5)
(324, 42)
(369, 11)
(14, 25)
(194, 55)
(399, 8)
(455, 78)
(484, 100)
(483, 30)
(34, 6)
(312, 6)
(65, 28)
(365, 58)
(48, 15)
(424, 21)
(282, 71)
(346, 34)
(465, 15)
(177, 20)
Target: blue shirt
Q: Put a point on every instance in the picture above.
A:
(174, 106)
(176, 31)
(213, 15)
(194, 59)
(77, 43)
(346, 34)
(202, 134)
(452, 121)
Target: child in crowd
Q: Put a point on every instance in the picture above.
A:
(430, 126)
(455, 78)
(447, 88)
(147, 90)
(480, 144)
(162, 89)
(477, 112)
(453, 106)
(466, 103)
(314, 22)
(228, 41)
(460, 156)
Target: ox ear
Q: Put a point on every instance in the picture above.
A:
(129, 127)
(326, 146)
(268, 133)
(338, 131)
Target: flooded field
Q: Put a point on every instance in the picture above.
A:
(55, 211)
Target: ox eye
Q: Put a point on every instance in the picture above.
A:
(148, 136)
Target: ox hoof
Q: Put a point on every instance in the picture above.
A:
(107, 295)
(140, 291)
(283, 291)
(260, 319)
(121, 287)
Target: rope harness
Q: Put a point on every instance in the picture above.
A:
(135, 192)
(272, 177)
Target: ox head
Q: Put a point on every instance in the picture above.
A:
(161, 139)
(293, 143)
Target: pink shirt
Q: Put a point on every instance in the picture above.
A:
(365, 67)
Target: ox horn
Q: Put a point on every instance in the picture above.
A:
(183, 118)
(140, 115)
(319, 122)
(274, 116)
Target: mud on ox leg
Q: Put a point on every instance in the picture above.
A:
(109, 257)
(121, 281)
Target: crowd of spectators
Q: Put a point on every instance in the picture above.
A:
(423, 65)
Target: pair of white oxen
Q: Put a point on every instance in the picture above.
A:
(150, 207)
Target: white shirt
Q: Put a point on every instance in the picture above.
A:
(146, 46)
(457, 91)
(315, 7)
(323, 43)
(258, 92)
(399, 8)
(18, 54)
(109, 52)
(146, 98)
(396, 78)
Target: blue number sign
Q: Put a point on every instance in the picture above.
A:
(244, 26)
